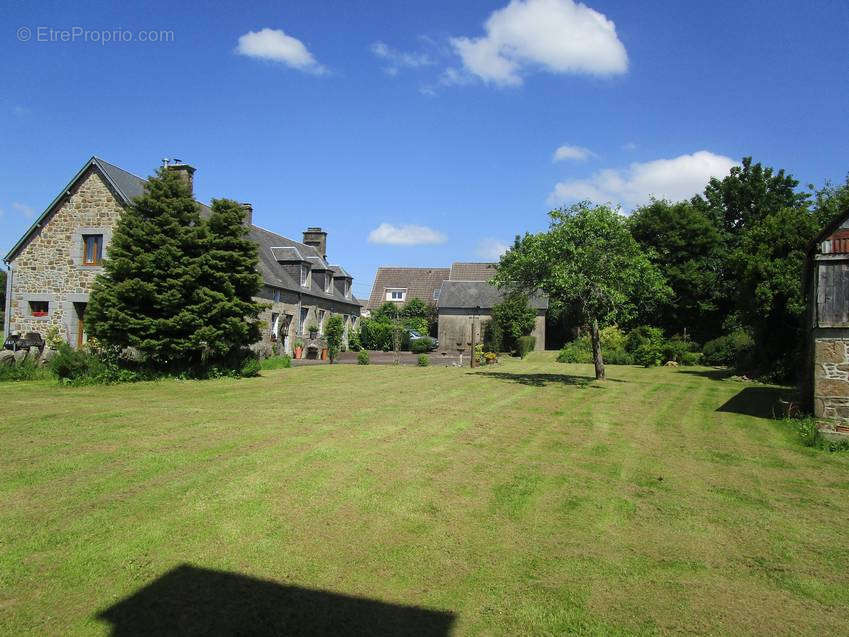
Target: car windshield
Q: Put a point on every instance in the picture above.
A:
(415, 334)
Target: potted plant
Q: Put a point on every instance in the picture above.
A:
(298, 347)
(491, 358)
(312, 328)
(324, 353)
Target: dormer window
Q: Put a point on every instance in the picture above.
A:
(305, 275)
(396, 294)
(328, 283)
(347, 288)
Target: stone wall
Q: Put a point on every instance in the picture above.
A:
(831, 378)
(49, 267)
(456, 325)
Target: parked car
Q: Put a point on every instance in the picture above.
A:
(11, 342)
(416, 336)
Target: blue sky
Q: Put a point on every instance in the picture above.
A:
(420, 133)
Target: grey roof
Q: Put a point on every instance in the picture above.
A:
(339, 272)
(420, 283)
(286, 253)
(472, 271)
(128, 186)
(471, 294)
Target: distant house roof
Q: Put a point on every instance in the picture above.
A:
(472, 271)
(420, 283)
(471, 294)
(271, 246)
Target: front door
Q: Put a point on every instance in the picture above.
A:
(80, 308)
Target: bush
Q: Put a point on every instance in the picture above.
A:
(25, 370)
(375, 335)
(70, 365)
(277, 362)
(423, 360)
(616, 357)
(421, 345)
(612, 339)
(525, 344)
(675, 349)
(250, 368)
(362, 358)
(354, 341)
(648, 354)
(578, 351)
(691, 358)
(730, 350)
(493, 336)
(811, 436)
(643, 335)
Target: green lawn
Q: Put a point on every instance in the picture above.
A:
(518, 499)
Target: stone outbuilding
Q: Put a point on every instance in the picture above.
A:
(51, 268)
(825, 379)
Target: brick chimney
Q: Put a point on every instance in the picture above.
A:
(316, 238)
(185, 172)
(249, 214)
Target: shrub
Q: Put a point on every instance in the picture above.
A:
(516, 318)
(676, 348)
(354, 341)
(577, 351)
(612, 338)
(277, 362)
(250, 368)
(493, 336)
(525, 344)
(616, 357)
(811, 436)
(648, 354)
(362, 358)
(375, 335)
(423, 360)
(421, 345)
(642, 335)
(333, 331)
(729, 350)
(25, 370)
(691, 358)
(69, 365)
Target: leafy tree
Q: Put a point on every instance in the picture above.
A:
(588, 260)
(333, 332)
(175, 288)
(514, 318)
(689, 249)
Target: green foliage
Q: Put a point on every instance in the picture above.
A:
(689, 359)
(515, 319)
(333, 332)
(423, 360)
(52, 338)
(376, 334)
(493, 336)
(727, 350)
(251, 367)
(577, 351)
(312, 328)
(277, 362)
(362, 358)
(354, 343)
(421, 345)
(386, 312)
(525, 344)
(611, 338)
(811, 436)
(94, 365)
(176, 288)
(24, 370)
(648, 354)
(688, 248)
(588, 262)
(616, 357)
(676, 349)
(643, 335)
(420, 316)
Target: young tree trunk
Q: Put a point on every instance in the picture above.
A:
(597, 359)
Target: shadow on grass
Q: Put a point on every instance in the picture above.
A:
(540, 380)
(719, 373)
(760, 402)
(195, 601)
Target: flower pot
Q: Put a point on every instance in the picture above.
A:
(39, 313)
(324, 354)
(313, 335)
(298, 352)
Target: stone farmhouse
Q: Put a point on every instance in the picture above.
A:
(463, 296)
(52, 267)
(825, 379)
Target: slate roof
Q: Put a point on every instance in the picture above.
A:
(472, 271)
(419, 282)
(128, 186)
(471, 294)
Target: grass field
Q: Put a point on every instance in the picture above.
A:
(519, 499)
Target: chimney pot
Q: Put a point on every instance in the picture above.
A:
(186, 173)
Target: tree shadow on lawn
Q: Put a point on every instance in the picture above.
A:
(717, 373)
(196, 601)
(541, 380)
(760, 402)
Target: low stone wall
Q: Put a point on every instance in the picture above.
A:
(831, 379)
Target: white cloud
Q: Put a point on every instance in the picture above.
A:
(397, 60)
(405, 235)
(491, 249)
(24, 209)
(578, 153)
(560, 36)
(629, 146)
(276, 46)
(675, 179)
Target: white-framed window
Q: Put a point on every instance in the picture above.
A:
(436, 294)
(321, 315)
(396, 294)
(347, 288)
(305, 275)
(328, 282)
(275, 320)
(304, 313)
(276, 296)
